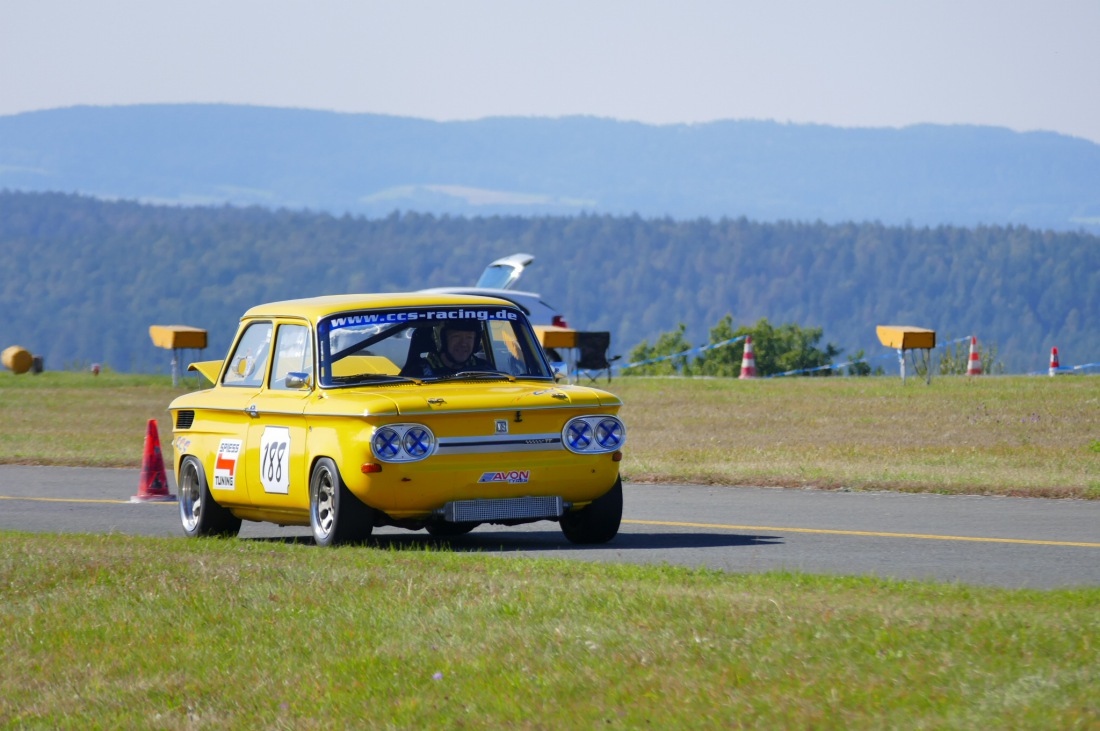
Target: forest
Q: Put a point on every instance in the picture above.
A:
(82, 279)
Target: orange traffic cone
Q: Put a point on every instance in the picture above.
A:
(1053, 361)
(154, 481)
(748, 360)
(975, 367)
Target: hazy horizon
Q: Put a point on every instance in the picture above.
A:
(850, 64)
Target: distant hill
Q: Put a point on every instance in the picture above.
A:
(81, 280)
(373, 165)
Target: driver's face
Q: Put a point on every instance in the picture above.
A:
(460, 345)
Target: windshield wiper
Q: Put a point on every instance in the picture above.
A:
(477, 374)
(364, 378)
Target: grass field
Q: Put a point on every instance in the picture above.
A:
(118, 632)
(1033, 436)
(123, 632)
(1021, 435)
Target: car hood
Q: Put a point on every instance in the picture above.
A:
(418, 400)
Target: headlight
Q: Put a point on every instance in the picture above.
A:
(609, 434)
(578, 435)
(593, 434)
(386, 444)
(417, 442)
(402, 442)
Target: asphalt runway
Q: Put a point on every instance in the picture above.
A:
(990, 541)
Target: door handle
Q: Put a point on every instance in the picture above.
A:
(251, 411)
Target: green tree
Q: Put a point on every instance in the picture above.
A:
(777, 350)
(780, 349)
(859, 367)
(726, 360)
(669, 343)
(799, 349)
(955, 359)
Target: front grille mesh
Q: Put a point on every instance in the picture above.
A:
(519, 508)
(185, 418)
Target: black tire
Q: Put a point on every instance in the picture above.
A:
(449, 530)
(599, 522)
(200, 514)
(335, 514)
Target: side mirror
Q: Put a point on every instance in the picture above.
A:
(560, 370)
(296, 380)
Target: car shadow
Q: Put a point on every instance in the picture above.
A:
(550, 540)
(553, 540)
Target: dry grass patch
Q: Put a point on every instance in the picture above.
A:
(77, 419)
(1019, 435)
(1011, 436)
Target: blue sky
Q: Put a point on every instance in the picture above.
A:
(851, 63)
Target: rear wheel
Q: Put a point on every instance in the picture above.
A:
(200, 514)
(335, 514)
(599, 522)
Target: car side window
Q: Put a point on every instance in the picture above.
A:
(248, 363)
(293, 354)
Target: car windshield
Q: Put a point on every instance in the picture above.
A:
(422, 344)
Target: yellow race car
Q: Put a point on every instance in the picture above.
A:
(430, 411)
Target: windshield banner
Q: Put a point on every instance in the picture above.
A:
(428, 316)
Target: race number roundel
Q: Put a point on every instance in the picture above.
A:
(275, 459)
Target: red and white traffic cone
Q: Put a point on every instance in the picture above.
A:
(975, 367)
(748, 360)
(154, 480)
(1054, 361)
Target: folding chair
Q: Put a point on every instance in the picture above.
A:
(592, 359)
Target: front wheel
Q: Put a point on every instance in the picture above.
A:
(335, 514)
(200, 515)
(599, 522)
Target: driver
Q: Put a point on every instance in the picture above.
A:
(458, 342)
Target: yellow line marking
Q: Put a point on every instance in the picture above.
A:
(79, 500)
(874, 534)
(717, 526)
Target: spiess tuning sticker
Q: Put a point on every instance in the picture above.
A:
(225, 466)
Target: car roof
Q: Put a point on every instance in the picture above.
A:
(504, 294)
(315, 308)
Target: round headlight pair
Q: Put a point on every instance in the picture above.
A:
(402, 442)
(593, 434)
